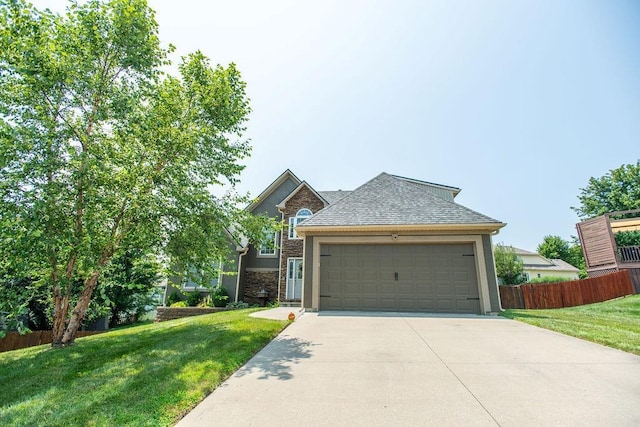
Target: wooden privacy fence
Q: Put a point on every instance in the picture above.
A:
(15, 341)
(567, 294)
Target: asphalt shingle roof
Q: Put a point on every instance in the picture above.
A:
(389, 200)
(333, 196)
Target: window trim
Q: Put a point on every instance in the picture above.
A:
(275, 248)
(301, 215)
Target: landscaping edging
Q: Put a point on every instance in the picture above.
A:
(170, 313)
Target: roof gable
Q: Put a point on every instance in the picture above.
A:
(389, 200)
(297, 189)
(275, 185)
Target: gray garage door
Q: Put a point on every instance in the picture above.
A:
(425, 278)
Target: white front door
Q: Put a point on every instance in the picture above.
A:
(294, 278)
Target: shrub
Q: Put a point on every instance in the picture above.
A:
(179, 304)
(219, 296)
(628, 238)
(205, 301)
(509, 267)
(173, 298)
(193, 298)
(238, 304)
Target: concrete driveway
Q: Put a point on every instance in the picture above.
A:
(333, 369)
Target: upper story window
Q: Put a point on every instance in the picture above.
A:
(301, 215)
(269, 247)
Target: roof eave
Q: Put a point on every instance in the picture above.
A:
(489, 227)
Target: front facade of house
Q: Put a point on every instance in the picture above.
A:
(393, 244)
(537, 266)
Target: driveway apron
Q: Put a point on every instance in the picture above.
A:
(386, 369)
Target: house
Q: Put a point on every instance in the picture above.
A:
(601, 253)
(228, 276)
(537, 266)
(392, 244)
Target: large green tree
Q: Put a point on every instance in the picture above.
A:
(100, 151)
(509, 267)
(555, 247)
(618, 190)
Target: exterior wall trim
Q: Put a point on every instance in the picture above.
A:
(480, 227)
(475, 240)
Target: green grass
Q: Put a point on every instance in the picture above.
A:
(614, 323)
(146, 375)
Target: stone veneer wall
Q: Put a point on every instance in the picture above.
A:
(170, 313)
(255, 281)
(304, 198)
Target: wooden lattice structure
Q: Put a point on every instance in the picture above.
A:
(601, 254)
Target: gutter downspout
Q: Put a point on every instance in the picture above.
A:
(242, 252)
(281, 210)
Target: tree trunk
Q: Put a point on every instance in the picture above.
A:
(60, 310)
(80, 309)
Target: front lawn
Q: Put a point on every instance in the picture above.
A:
(614, 323)
(146, 375)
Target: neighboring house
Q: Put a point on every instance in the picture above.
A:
(537, 266)
(601, 253)
(393, 244)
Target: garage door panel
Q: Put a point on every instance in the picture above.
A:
(462, 289)
(444, 304)
(387, 303)
(406, 304)
(406, 289)
(350, 303)
(444, 290)
(425, 304)
(387, 288)
(369, 303)
(369, 275)
(436, 278)
(369, 288)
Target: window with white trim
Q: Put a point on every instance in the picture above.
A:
(301, 215)
(269, 247)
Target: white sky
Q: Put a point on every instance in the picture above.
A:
(517, 103)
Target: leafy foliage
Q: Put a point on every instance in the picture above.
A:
(555, 247)
(627, 238)
(193, 298)
(239, 304)
(101, 152)
(128, 286)
(219, 296)
(618, 190)
(173, 298)
(509, 268)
